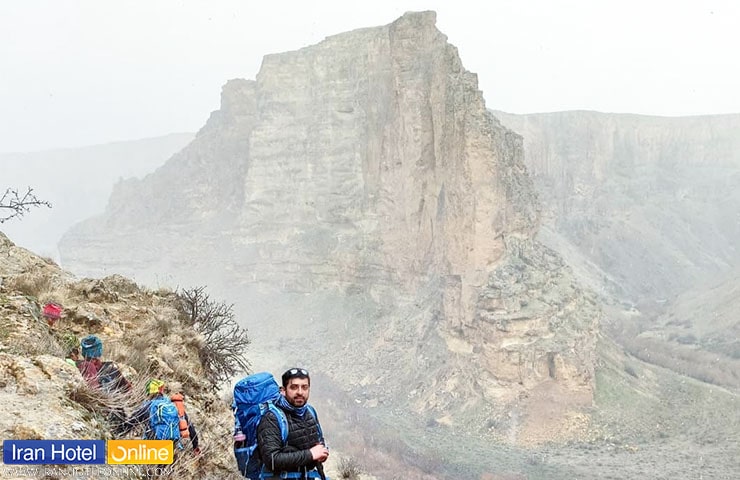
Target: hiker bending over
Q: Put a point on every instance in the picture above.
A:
(98, 374)
(161, 417)
(304, 451)
(104, 376)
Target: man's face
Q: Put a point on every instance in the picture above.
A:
(296, 392)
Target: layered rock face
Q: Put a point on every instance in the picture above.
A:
(78, 182)
(359, 190)
(646, 211)
(650, 202)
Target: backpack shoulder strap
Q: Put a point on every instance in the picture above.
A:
(316, 417)
(281, 419)
(152, 417)
(154, 402)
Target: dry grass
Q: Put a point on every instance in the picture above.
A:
(46, 343)
(36, 338)
(157, 346)
(349, 468)
(163, 292)
(31, 284)
(92, 399)
(21, 432)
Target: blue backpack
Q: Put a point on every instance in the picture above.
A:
(253, 398)
(164, 419)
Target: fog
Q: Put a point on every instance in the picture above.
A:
(91, 72)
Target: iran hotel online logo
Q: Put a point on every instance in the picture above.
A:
(88, 452)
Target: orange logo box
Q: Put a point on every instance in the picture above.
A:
(139, 452)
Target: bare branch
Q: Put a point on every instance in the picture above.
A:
(13, 205)
(222, 354)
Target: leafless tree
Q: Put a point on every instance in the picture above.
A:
(13, 204)
(222, 352)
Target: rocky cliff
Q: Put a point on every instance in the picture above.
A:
(78, 182)
(646, 211)
(358, 196)
(652, 202)
(646, 420)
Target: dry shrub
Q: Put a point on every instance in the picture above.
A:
(15, 203)
(105, 409)
(225, 342)
(163, 292)
(163, 325)
(38, 340)
(349, 468)
(49, 261)
(91, 399)
(31, 284)
(21, 432)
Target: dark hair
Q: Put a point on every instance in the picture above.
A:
(295, 373)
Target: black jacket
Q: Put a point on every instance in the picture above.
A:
(295, 456)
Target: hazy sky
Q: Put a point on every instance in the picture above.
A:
(87, 72)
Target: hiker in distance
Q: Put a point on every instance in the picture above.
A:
(72, 349)
(303, 453)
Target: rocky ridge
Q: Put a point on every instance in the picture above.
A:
(650, 202)
(359, 190)
(46, 398)
(78, 183)
(645, 210)
(141, 333)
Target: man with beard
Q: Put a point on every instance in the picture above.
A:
(304, 451)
